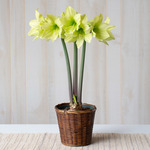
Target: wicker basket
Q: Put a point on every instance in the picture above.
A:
(75, 126)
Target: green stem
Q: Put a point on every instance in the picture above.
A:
(81, 73)
(75, 70)
(68, 70)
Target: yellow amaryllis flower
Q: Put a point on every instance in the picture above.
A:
(83, 33)
(36, 28)
(100, 30)
(72, 27)
(52, 27)
(71, 20)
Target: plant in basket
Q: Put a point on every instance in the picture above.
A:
(75, 118)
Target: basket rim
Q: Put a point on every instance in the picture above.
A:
(75, 111)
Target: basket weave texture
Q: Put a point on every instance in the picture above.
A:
(75, 126)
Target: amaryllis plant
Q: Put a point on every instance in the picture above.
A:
(71, 26)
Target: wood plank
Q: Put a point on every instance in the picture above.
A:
(5, 139)
(117, 141)
(133, 141)
(95, 141)
(5, 63)
(52, 143)
(113, 64)
(46, 141)
(36, 69)
(112, 142)
(144, 61)
(18, 61)
(22, 141)
(38, 141)
(135, 57)
(29, 141)
(123, 142)
(101, 141)
(11, 141)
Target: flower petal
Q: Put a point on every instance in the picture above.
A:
(33, 23)
(38, 16)
(77, 18)
(88, 37)
(111, 36)
(104, 41)
(54, 36)
(50, 18)
(98, 19)
(33, 32)
(93, 33)
(69, 11)
(58, 22)
(102, 35)
(107, 20)
(80, 41)
(70, 38)
(84, 19)
(70, 29)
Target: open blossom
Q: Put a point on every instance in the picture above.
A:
(72, 27)
(83, 33)
(52, 27)
(71, 20)
(36, 26)
(102, 31)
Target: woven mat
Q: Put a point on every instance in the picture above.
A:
(46, 141)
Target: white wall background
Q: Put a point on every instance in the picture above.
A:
(33, 75)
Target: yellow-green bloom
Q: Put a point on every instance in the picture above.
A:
(102, 31)
(36, 28)
(83, 33)
(52, 27)
(72, 27)
(71, 20)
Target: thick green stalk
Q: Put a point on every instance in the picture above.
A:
(75, 70)
(68, 70)
(81, 73)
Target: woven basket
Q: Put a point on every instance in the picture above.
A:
(75, 126)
